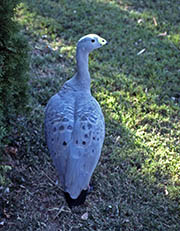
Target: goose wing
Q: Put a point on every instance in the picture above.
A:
(59, 122)
(86, 145)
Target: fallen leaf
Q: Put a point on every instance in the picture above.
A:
(11, 150)
(2, 223)
(7, 190)
(84, 216)
(140, 20)
(166, 191)
(6, 214)
(162, 34)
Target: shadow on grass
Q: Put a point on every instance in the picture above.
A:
(126, 197)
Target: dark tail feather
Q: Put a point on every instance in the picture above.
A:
(75, 202)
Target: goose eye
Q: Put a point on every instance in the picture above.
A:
(93, 40)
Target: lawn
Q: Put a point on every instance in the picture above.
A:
(136, 79)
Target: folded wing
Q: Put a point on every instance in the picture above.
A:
(74, 134)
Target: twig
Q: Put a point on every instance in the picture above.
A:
(52, 181)
(61, 210)
(155, 22)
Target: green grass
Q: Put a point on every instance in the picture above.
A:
(137, 181)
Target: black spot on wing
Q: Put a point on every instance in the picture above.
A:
(69, 127)
(61, 128)
(89, 126)
(65, 120)
(84, 118)
(64, 143)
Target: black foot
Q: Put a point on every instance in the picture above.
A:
(76, 202)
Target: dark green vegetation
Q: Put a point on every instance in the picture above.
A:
(136, 79)
(14, 65)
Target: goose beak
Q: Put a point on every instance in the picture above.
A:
(102, 41)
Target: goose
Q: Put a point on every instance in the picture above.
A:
(75, 127)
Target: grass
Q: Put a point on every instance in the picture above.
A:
(137, 181)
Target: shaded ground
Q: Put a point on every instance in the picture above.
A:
(137, 179)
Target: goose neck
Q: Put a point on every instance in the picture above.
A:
(82, 67)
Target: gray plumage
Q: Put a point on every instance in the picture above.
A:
(74, 124)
